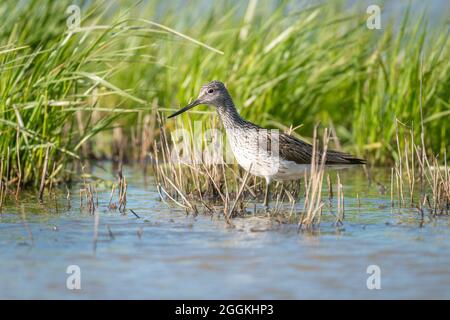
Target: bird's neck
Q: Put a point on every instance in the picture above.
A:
(229, 115)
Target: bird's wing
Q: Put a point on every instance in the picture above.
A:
(293, 149)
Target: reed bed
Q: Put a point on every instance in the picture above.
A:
(313, 197)
(419, 180)
(88, 194)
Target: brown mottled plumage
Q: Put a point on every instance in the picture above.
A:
(300, 152)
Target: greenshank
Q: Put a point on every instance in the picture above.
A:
(262, 152)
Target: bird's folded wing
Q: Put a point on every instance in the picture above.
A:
(293, 149)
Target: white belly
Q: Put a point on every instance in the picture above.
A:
(254, 157)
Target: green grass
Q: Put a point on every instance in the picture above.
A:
(300, 66)
(323, 65)
(40, 83)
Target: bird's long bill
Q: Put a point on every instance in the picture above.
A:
(189, 106)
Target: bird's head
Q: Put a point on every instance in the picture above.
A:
(213, 93)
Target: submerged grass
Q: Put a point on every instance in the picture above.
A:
(197, 183)
(419, 180)
(422, 177)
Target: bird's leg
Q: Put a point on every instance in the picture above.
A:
(266, 196)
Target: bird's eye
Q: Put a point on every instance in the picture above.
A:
(210, 90)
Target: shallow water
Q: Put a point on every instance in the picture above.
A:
(179, 256)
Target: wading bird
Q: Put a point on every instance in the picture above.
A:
(273, 156)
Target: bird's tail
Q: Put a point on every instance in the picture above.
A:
(336, 157)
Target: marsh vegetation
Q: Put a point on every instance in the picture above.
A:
(87, 172)
(100, 90)
(93, 92)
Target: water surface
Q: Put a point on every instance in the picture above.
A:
(167, 254)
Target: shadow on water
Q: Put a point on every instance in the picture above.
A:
(167, 254)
